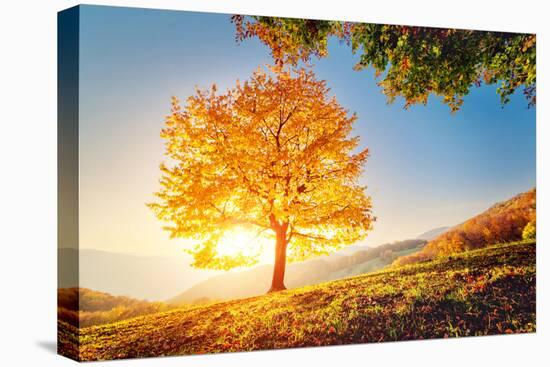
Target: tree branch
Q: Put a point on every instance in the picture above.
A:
(320, 238)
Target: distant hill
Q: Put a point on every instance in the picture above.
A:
(501, 223)
(431, 234)
(255, 281)
(141, 277)
(85, 307)
(350, 250)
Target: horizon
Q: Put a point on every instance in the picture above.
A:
(359, 244)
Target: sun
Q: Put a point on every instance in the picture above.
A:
(245, 242)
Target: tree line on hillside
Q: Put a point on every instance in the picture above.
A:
(508, 221)
(85, 307)
(385, 251)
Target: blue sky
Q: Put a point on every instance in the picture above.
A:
(428, 167)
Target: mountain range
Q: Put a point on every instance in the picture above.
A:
(433, 233)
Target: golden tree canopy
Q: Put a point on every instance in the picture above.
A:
(271, 154)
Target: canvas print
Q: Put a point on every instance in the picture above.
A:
(234, 183)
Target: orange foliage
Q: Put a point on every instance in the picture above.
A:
(272, 155)
(83, 307)
(503, 222)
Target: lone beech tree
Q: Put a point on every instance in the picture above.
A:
(274, 155)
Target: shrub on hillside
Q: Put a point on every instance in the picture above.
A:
(412, 259)
(530, 231)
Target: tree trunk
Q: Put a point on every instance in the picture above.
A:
(278, 281)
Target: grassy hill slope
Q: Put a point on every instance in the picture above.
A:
(481, 292)
(375, 264)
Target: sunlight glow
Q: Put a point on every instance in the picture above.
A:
(243, 241)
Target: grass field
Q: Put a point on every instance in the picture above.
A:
(482, 292)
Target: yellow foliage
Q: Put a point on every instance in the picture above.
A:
(272, 154)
